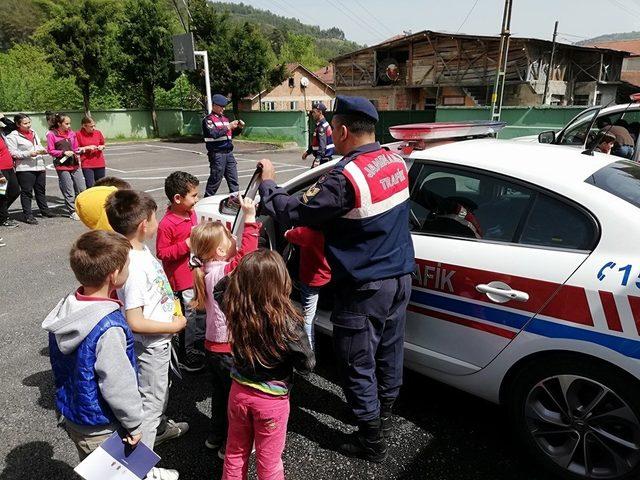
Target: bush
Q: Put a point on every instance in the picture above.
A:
(28, 82)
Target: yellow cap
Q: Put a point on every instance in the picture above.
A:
(90, 207)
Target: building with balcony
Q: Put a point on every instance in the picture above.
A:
(426, 69)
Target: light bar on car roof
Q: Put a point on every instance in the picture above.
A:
(445, 130)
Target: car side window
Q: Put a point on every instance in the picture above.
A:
(578, 133)
(462, 203)
(553, 223)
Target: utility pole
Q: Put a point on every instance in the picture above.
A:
(498, 88)
(549, 73)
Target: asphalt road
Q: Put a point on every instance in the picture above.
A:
(439, 433)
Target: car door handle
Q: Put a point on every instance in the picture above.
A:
(506, 293)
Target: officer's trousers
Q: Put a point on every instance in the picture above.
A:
(221, 165)
(368, 337)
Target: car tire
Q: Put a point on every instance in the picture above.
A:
(567, 409)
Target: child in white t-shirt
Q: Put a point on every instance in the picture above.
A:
(149, 306)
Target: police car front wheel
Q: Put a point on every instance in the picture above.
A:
(578, 419)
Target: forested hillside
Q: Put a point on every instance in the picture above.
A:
(96, 54)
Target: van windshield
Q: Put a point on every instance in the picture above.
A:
(621, 179)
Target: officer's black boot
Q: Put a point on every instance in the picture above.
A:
(386, 412)
(367, 442)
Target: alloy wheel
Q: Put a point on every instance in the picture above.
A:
(583, 426)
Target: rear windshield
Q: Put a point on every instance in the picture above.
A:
(621, 179)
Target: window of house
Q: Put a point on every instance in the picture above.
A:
(268, 105)
(453, 100)
(292, 82)
(293, 105)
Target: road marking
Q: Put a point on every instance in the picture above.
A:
(196, 152)
(116, 170)
(248, 175)
(137, 152)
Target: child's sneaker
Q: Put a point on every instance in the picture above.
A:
(193, 361)
(74, 216)
(2, 244)
(173, 430)
(213, 441)
(162, 474)
(222, 450)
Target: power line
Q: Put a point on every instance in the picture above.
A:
(384, 26)
(468, 15)
(361, 23)
(622, 6)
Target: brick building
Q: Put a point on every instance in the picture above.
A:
(427, 69)
(295, 93)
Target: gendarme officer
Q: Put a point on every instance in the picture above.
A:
(218, 133)
(322, 146)
(362, 206)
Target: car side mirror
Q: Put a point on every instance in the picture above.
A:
(229, 205)
(547, 137)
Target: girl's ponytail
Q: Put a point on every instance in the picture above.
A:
(199, 287)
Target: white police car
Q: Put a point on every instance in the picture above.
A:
(526, 290)
(581, 130)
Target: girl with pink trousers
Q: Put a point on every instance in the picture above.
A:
(269, 343)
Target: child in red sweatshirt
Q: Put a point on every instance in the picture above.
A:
(314, 272)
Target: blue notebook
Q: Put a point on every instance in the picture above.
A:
(115, 459)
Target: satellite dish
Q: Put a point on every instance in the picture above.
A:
(304, 82)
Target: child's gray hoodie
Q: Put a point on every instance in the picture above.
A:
(71, 321)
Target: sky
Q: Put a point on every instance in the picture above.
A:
(372, 21)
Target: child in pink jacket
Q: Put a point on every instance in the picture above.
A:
(214, 255)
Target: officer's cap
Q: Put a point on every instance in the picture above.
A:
(319, 106)
(355, 106)
(218, 99)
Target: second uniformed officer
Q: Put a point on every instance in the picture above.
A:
(362, 207)
(218, 132)
(322, 146)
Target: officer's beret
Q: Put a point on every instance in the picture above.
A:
(319, 106)
(218, 99)
(355, 106)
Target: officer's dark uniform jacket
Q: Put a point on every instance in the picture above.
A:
(362, 207)
(217, 134)
(322, 146)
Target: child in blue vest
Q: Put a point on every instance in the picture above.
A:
(91, 347)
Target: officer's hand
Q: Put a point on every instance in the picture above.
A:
(268, 170)
(305, 155)
(234, 124)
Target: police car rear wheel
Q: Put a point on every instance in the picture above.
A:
(580, 421)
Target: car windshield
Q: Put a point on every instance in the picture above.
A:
(621, 179)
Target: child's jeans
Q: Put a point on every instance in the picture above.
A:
(309, 299)
(194, 331)
(259, 417)
(220, 365)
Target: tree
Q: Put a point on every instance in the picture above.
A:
(80, 41)
(29, 83)
(300, 49)
(145, 40)
(19, 19)
(239, 55)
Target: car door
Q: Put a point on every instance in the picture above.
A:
(490, 252)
